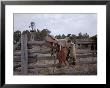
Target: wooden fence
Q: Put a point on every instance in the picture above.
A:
(24, 56)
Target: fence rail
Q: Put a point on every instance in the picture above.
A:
(26, 56)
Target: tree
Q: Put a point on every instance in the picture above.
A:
(17, 36)
(37, 37)
(73, 37)
(85, 36)
(58, 36)
(63, 36)
(80, 36)
(94, 37)
(45, 32)
(68, 35)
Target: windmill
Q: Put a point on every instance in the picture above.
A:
(32, 26)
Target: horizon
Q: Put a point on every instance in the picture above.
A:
(59, 34)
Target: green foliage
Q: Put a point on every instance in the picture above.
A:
(40, 35)
(85, 35)
(73, 36)
(94, 37)
(60, 36)
(45, 32)
(17, 36)
(68, 35)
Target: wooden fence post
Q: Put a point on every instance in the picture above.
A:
(24, 55)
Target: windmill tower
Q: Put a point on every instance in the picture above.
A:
(32, 26)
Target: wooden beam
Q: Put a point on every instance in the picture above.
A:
(86, 56)
(40, 51)
(18, 53)
(30, 60)
(36, 42)
(24, 54)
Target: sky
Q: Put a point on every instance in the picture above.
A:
(58, 23)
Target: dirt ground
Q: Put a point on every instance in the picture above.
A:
(84, 66)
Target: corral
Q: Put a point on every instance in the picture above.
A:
(37, 60)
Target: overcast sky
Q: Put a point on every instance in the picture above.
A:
(58, 23)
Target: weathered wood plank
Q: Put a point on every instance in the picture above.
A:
(45, 66)
(17, 58)
(86, 56)
(19, 66)
(18, 53)
(85, 51)
(24, 54)
(30, 60)
(40, 51)
(36, 42)
(33, 51)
